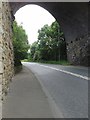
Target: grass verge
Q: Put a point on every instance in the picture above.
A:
(62, 62)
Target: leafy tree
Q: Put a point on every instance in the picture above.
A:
(43, 41)
(33, 51)
(51, 44)
(58, 42)
(20, 43)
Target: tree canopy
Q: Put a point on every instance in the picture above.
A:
(20, 43)
(50, 45)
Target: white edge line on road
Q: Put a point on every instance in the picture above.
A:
(76, 75)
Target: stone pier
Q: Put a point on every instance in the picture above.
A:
(6, 48)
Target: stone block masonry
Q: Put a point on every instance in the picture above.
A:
(6, 48)
(1, 65)
(78, 51)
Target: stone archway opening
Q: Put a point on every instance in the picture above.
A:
(73, 17)
(40, 18)
(32, 17)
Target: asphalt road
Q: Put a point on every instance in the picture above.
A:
(68, 87)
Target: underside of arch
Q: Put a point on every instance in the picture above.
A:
(73, 18)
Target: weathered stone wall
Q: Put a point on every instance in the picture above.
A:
(1, 71)
(78, 51)
(6, 48)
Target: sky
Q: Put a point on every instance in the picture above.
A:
(33, 18)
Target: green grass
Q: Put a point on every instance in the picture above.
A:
(62, 62)
(25, 60)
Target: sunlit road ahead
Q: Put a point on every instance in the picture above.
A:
(67, 86)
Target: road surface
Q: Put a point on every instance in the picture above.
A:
(26, 98)
(67, 86)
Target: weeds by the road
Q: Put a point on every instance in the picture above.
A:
(17, 69)
(62, 62)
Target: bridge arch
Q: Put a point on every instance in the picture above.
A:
(73, 18)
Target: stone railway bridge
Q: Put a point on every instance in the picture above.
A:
(73, 18)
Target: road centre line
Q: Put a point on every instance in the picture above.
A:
(70, 73)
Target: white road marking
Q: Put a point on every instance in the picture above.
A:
(70, 73)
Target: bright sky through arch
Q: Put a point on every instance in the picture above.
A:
(32, 18)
